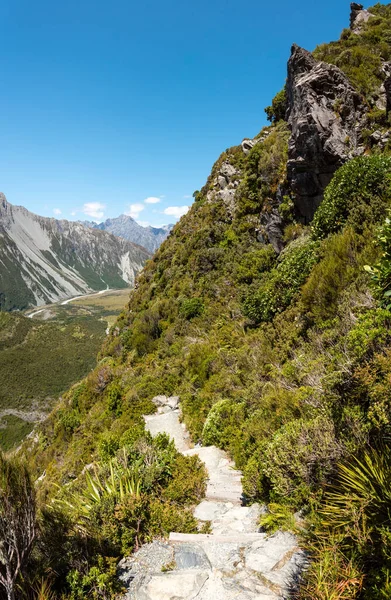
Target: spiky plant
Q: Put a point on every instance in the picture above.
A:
(359, 505)
(118, 483)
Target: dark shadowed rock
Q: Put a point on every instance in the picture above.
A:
(325, 116)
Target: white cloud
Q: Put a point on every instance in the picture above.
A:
(135, 210)
(94, 209)
(151, 200)
(187, 197)
(56, 211)
(143, 223)
(176, 211)
(73, 213)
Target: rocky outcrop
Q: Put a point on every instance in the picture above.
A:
(358, 16)
(224, 186)
(325, 115)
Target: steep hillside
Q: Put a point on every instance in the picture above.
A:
(267, 312)
(127, 228)
(44, 260)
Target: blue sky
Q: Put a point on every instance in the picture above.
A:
(106, 104)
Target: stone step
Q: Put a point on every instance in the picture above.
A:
(241, 538)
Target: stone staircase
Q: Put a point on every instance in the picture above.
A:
(235, 561)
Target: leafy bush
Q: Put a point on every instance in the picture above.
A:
(299, 458)
(277, 110)
(223, 423)
(381, 271)
(337, 268)
(358, 195)
(282, 285)
(192, 307)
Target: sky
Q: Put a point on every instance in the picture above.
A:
(123, 107)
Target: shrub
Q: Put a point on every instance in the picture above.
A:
(300, 457)
(358, 194)
(337, 269)
(191, 307)
(224, 422)
(188, 483)
(357, 509)
(277, 110)
(282, 285)
(381, 271)
(254, 263)
(17, 521)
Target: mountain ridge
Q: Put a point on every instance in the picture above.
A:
(126, 227)
(44, 260)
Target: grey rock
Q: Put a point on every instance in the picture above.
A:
(273, 229)
(247, 144)
(387, 89)
(358, 16)
(228, 171)
(176, 585)
(326, 115)
(165, 403)
(222, 181)
(270, 553)
(151, 558)
(191, 556)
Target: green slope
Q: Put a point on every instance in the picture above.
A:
(282, 359)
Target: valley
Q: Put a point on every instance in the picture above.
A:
(43, 352)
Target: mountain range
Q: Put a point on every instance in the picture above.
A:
(44, 260)
(126, 227)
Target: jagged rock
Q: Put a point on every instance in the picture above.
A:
(380, 138)
(273, 229)
(228, 171)
(326, 115)
(358, 16)
(165, 402)
(247, 144)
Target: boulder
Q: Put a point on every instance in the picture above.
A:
(325, 115)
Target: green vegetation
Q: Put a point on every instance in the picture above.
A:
(108, 511)
(284, 360)
(277, 110)
(360, 56)
(17, 522)
(359, 195)
(12, 431)
(41, 357)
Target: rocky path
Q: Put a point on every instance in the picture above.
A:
(234, 562)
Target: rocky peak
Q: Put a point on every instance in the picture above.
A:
(3, 204)
(358, 16)
(325, 116)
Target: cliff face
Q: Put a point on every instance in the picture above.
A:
(326, 115)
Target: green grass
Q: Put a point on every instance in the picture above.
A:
(12, 431)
